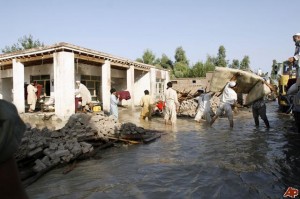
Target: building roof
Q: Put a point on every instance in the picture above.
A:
(83, 55)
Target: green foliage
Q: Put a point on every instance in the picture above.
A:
(221, 59)
(181, 70)
(198, 70)
(245, 63)
(180, 56)
(25, 42)
(147, 58)
(235, 64)
(165, 62)
(209, 66)
(139, 60)
(212, 60)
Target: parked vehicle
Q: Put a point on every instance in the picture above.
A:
(287, 78)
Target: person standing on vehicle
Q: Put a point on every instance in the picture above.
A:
(296, 57)
(295, 61)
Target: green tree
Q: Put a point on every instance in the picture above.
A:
(245, 63)
(181, 66)
(180, 56)
(25, 42)
(209, 65)
(235, 64)
(165, 62)
(181, 70)
(221, 58)
(212, 60)
(198, 70)
(147, 58)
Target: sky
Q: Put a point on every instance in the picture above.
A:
(260, 29)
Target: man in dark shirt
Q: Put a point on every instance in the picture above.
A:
(259, 109)
(11, 132)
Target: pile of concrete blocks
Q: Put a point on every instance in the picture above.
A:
(188, 108)
(47, 148)
(104, 125)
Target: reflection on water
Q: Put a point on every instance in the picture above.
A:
(190, 161)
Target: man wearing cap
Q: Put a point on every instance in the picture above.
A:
(295, 62)
(296, 38)
(172, 104)
(203, 108)
(85, 96)
(228, 99)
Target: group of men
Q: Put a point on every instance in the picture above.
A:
(228, 100)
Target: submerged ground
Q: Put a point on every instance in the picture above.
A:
(190, 160)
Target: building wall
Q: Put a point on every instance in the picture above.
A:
(6, 91)
(118, 77)
(192, 84)
(141, 83)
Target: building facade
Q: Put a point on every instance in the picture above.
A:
(57, 67)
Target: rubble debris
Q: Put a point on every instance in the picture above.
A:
(80, 138)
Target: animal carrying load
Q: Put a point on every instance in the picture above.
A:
(247, 83)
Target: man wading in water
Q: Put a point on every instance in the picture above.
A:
(172, 104)
(228, 99)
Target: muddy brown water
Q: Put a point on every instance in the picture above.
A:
(190, 161)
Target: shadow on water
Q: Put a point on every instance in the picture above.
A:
(190, 161)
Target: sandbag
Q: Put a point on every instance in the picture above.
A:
(245, 82)
(258, 91)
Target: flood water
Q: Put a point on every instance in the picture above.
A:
(190, 160)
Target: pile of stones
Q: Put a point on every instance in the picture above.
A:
(43, 149)
(188, 108)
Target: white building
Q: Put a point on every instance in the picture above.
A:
(57, 68)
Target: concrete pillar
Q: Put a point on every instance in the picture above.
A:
(130, 84)
(153, 91)
(64, 84)
(18, 86)
(167, 75)
(106, 85)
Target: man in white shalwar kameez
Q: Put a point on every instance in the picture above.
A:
(31, 96)
(172, 104)
(114, 100)
(85, 95)
(228, 99)
(204, 108)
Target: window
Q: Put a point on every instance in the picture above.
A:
(43, 80)
(93, 83)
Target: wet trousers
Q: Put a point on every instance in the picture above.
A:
(262, 113)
